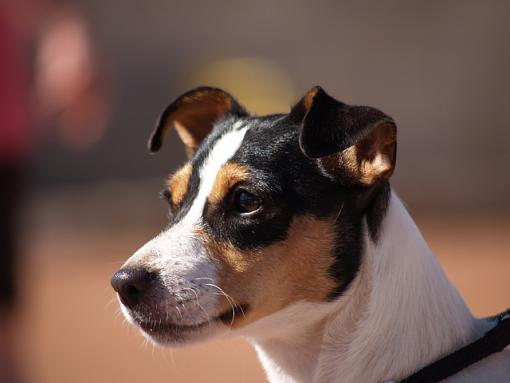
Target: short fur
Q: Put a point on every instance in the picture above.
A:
(327, 275)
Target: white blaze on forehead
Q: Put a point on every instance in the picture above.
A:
(222, 151)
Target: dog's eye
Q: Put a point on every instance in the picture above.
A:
(247, 203)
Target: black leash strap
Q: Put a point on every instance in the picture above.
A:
(494, 340)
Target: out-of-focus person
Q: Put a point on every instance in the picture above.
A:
(62, 88)
(15, 147)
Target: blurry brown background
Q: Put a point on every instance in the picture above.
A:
(440, 68)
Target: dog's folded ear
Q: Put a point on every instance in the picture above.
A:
(193, 115)
(353, 144)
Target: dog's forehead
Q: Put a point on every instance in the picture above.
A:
(258, 144)
(267, 140)
(263, 136)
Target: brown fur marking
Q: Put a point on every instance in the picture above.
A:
(229, 175)
(271, 278)
(195, 118)
(369, 160)
(178, 183)
(309, 97)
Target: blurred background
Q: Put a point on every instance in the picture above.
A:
(82, 82)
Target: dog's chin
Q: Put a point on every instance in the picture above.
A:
(176, 335)
(168, 334)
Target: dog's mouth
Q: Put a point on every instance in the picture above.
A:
(157, 327)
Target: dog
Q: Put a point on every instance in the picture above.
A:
(284, 229)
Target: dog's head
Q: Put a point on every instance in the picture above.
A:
(267, 213)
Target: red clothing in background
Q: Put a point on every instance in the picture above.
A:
(15, 127)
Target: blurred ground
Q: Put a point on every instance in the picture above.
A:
(71, 329)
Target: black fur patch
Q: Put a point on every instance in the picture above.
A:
(328, 126)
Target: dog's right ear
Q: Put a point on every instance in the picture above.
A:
(193, 114)
(352, 144)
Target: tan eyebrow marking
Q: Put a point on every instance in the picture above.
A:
(230, 174)
(178, 183)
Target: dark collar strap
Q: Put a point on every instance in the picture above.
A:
(494, 340)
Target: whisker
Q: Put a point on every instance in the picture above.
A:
(172, 358)
(340, 212)
(230, 300)
(179, 311)
(110, 302)
(208, 317)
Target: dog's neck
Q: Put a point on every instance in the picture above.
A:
(399, 314)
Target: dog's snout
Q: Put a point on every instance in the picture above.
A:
(131, 284)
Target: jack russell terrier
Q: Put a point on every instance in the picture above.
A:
(284, 229)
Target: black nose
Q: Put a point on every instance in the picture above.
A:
(131, 284)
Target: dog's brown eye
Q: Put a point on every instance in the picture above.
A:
(247, 202)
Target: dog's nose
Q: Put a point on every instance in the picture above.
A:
(131, 284)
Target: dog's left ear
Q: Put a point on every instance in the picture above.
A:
(353, 144)
(193, 114)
